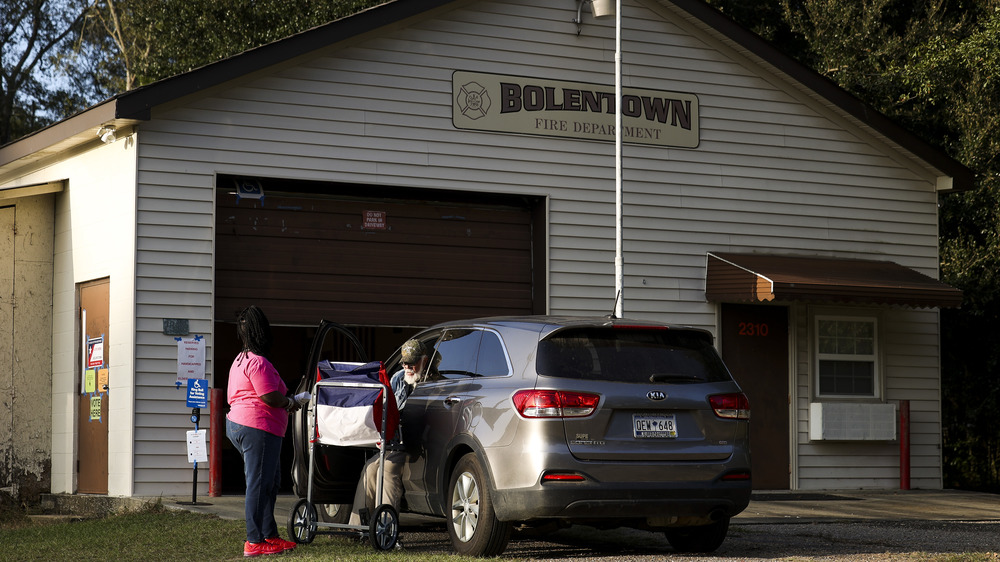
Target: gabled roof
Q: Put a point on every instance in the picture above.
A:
(135, 106)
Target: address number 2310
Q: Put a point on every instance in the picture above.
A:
(753, 329)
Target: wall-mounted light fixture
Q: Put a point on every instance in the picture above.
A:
(107, 134)
(600, 8)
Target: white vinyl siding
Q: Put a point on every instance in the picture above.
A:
(174, 280)
(910, 351)
(775, 171)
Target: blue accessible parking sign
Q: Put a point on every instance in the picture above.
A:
(197, 396)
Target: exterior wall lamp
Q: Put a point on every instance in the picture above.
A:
(107, 134)
(600, 8)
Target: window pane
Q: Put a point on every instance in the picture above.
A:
(457, 351)
(846, 337)
(827, 345)
(636, 355)
(492, 361)
(865, 347)
(855, 378)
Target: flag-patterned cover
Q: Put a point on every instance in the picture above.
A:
(352, 416)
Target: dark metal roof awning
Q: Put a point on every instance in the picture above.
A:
(762, 278)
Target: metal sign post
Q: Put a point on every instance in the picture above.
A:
(197, 398)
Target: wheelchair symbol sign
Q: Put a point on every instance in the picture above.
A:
(197, 395)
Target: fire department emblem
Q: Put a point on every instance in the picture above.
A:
(473, 100)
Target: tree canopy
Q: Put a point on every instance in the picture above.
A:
(30, 32)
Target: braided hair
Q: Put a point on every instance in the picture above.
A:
(254, 330)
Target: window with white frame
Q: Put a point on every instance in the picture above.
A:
(846, 356)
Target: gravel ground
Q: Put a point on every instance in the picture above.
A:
(852, 540)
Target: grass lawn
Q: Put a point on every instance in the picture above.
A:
(162, 535)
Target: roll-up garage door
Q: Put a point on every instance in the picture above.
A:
(393, 261)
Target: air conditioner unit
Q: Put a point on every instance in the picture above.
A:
(851, 421)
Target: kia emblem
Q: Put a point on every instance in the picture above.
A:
(656, 395)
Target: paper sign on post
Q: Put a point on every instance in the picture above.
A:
(90, 381)
(197, 451)
(190, 358)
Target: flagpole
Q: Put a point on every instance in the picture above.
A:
(619, 259)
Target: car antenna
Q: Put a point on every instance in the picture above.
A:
(614, 305)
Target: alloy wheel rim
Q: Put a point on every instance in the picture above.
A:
(465, 507)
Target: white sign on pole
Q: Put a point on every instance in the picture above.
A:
(196, 446)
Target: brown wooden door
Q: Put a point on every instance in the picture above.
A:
(92, 477)
(755, 348)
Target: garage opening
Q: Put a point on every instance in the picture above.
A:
(382, 261)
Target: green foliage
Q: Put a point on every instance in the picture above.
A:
(156, 40)
(957, 81)
(766, 19)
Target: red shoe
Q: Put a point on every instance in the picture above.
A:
(259, 548)
(282, 543)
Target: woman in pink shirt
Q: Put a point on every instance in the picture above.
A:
(256, 424)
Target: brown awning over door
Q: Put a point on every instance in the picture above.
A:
(762, 278)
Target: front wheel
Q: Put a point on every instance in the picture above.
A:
(704, 538)
(473, 526)
(302, 522)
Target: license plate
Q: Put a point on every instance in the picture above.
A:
(645, 426)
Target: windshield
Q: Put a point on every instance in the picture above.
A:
(634, 355)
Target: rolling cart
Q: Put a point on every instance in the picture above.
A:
(350, 406)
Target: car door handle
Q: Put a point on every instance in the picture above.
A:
(452, 400)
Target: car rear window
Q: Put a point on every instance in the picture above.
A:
(635, 355)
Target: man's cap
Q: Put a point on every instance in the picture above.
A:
(412, 351)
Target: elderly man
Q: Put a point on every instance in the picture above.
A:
(417, 368)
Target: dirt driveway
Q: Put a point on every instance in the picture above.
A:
(830, 525)
(852, 540)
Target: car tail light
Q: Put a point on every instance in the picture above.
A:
(736, 476)
(555, 403)
(734, 406)
(562, 477)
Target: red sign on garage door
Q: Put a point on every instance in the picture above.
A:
(374, 220)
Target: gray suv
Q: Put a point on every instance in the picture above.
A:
(544, 421)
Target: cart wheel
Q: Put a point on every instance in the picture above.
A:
(383, 530)
(302, 522)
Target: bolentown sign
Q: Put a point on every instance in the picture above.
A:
(515, 104)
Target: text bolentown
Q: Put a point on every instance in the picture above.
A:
(537, 106)
(528, 97)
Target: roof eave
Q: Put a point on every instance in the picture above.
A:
(136, 105)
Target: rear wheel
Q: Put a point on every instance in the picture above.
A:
(383, 531)
(473, 525)
(704, 538)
